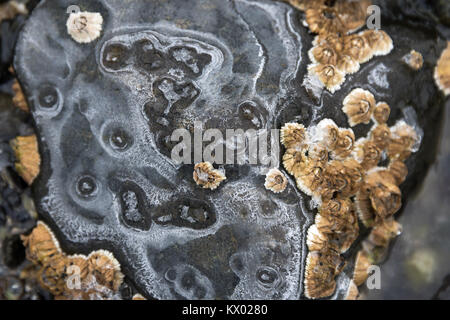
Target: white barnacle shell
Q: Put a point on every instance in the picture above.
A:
(84, 27)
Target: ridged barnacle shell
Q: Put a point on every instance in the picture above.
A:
(385, 196)
(414, 60)
(344, 240)
(362, 264)
(41, 245)
(275, 181)
(352, 291)
(324, 54)
(323, 20)
(19, 99)
(329, 76)
(347, 64)
(353, 13)
(293, 135)
(105, 268)
(384, 232)
(316, 240)
(358, 48)
(28, 160)
(339, 219)
(380, 135)
(398, 170)
(367, 153)
(403, 139)
(206, 176)
(442, 71)
(345, 144)
(359, 106)
(320, 272)
(336, 181)
(381, 113)
(295, 162)
(379, 42)
(326, 133)
(84, 27)
(311, 179)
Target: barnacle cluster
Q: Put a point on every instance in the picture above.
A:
(96, 276)
(206, 176)
(28, 160)
(442, 71)
(344, 177)
(337, 50)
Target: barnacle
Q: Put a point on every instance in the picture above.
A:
(384, 194)
(442, 71)
(398, 170)
(138, 297)
(98, 274)
(359, 106)
(321, 270)
(311, 179)
(335, 216)
(362, 264)
(275, 181)
(316, 240)
(84, 27)
(381, 113)
(345, 144)
(206, 176)
(327, 133)
(329, 75)
(28, 160)
(347, 64)
(318, 153)
(295, 162)
(384, 232)
(357, 47)
(324, 54)
(324, 20)
(19, 99)
(379, 42)
(293, 135)
(367, 153)
(403, 139)
(380, 135)
(414, 60)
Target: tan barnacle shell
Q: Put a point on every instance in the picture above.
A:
(385, 196)
(332, 40)
(320, 272)
(367, 153)
(362, 264)
(84, 27)
(381, 113)
(345, 144)
(347, 64)
(343, 241)
(41, 245)
(327, 133)
(329, 75)
(19, 98)
(403, 139)
(138, 296)
(316, 240)
(293, 135)
(318, 153)
(311, 178)
(357, 47)
(352, 291)
(28, 160)
(442, 71)
(352, 13)
(359, 106)
(295, 162)
(275, 181)
(380, 135)
(336, 180)
(323, 54)
(384, 232)
(206, 176)
(364, 207)
(340, 221)
(105, 268)
(379, 42)
(414, 60)
(323, 20)
(398, 170)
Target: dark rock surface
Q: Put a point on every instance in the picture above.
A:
(107, 180)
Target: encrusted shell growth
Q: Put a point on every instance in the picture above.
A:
(207, 177)
(414, 60)
(275, 181)
(84, 27)
(442, 71)
(28, 160)
(359, 106)
(96, 276)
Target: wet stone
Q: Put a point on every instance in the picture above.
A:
(105, 112)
